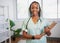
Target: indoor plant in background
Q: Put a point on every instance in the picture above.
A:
(16, 33)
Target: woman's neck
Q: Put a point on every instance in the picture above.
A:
(35, 19)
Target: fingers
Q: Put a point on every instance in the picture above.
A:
(48, 34)
(46, 29)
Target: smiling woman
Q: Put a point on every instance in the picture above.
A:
(50, 11)
(35, 28)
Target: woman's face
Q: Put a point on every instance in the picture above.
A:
(35, 9)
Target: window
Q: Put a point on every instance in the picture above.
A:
(58, 8)
(22, 9)
(49, 8)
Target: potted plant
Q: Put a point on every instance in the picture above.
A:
(16, 33)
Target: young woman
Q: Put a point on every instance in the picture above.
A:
(35, 28)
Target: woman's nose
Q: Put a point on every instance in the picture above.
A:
(34, 9)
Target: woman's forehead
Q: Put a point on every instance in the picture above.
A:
(33, 4)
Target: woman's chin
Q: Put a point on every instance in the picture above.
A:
(35, 14)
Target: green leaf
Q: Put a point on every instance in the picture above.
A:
(12, 24)
(17, 32)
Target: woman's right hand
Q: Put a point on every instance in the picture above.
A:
(39, 36)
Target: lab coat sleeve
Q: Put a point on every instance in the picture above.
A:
(24, 25)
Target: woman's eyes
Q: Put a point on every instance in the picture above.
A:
(34, 7)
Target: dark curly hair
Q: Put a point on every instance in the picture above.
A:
(39, 13)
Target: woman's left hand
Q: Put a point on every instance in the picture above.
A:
(47, 31)
(48, 34)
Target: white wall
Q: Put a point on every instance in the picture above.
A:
(12, 12)
(9, 4)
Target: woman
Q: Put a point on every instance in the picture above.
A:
(35, 28)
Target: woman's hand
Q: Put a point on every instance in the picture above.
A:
(48, 34)
(47, 31)
(39, 36)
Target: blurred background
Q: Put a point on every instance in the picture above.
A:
(18, 10)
